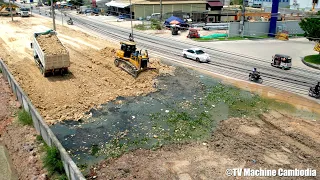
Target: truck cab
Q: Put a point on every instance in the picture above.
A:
(25, 12)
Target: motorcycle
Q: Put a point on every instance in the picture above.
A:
(70, 22)
(313, 93)
(255, 77)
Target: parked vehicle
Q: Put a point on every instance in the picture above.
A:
(281, 61)
(25, 12)
(58, 60)
(193, 33)
(87, 11)
(196, 54)
(82, 9)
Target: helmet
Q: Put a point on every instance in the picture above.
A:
(255, 69)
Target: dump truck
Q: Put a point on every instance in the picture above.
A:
(50, 54)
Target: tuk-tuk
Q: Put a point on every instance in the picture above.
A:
(281, 61)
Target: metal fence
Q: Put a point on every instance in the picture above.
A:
(42, 128)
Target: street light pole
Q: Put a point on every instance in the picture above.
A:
(160, 11)
(131, 18)
(10, 10)
(53, 16)
(242, 19)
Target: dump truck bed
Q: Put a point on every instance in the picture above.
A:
(50, 51)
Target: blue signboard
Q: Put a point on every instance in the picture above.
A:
(31, 1)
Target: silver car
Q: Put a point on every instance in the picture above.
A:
(196, 54)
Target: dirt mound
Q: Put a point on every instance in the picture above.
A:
(51, 45)
(108, 52)
(93, 78)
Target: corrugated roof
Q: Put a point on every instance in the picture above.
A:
(171, 2)
(117, 4)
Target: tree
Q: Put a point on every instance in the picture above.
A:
(311, 27)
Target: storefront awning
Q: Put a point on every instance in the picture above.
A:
(118, 5)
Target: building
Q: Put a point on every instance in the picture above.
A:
(268, 3)
(292, 4)
(302, 4)
(143, 8)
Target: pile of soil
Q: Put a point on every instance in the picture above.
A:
(51, 45)
(93, 79)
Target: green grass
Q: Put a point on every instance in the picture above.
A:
(314, 59)
(140, 27)
(0, 70)
(24, 117)
(52, 161)
(94, 149)
(231, 38)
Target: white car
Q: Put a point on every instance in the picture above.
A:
(196, 54)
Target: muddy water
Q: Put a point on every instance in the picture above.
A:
(131, 116)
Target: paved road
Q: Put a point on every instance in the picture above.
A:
(228, 63)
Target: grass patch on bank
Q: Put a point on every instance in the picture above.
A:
(0, 70)
(187, 121)
(314, 59)
(24, 117)
(231, 38)
(51, 160)
(154, 25)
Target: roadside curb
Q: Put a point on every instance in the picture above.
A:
(310, 64)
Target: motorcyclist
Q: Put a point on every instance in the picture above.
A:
(130, 37)
(255, 73)
(317, 88)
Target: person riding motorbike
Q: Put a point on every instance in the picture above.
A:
(317, 88)
(255, 73)
(131, 37)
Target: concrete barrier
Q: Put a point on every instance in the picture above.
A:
(71, 169)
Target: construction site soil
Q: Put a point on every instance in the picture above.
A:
(93, 78)
(51, 45)
(267, 139)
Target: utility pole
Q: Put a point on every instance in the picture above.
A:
(53, 16)
(61, 15)
(131, 19)
(10, 10)
(160, 10)
(241, 30)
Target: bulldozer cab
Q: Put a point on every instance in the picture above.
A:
(128, 48)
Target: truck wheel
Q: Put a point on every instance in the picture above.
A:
(184, 55)
(197, 59)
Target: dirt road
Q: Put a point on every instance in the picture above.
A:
(93, 78)
(273, 141)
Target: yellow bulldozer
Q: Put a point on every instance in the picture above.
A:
(131, 60)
